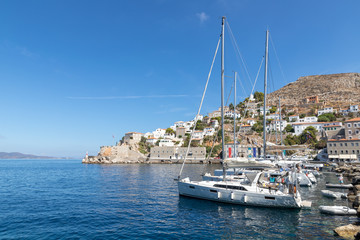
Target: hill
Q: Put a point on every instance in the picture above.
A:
(337, 90)
(17, 155)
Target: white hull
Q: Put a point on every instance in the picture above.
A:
(331, 194)
(303, 180)
(344, 186)
(337, 210)
(263, 198)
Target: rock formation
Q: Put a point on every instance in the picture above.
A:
(339, 90)
(122, 153)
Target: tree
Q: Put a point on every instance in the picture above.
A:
(320, 144)
(199, 125)
(273, 109)
(308, 136)
(259, 96)
(231, 106)
(291, 140)
(327, 117)
(289, 128)
(258, 127)
(170, 131)
(302, 115)
(291, 113)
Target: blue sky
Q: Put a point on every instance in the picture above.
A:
(75, 73)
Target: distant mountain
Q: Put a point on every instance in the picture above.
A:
(336, 90)
(17, 155)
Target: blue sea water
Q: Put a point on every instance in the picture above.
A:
(65, 199)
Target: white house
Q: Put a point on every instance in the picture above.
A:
(325, 110)
(159, 133)
(354, 108)
(166, 143)
(209, 131)
(148, 135)
(262, 110)
(179, 124)
(230, 114)
(294, 118)
(308, 119)
(198, 118)
(277, 125)
(300, 127)
(251, 122)
(152, 140)
(214, 123)
(272, 116)
(198, 135)
(188, 125)
(169, 136)
(329, 124)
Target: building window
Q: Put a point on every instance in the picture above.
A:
(330, 151)
(334, 144)
(330, 145)
(353, 151)
(352, 144)
(350, 132)
(335, 151)
(340, 144)
(357, 144)
(349, 125)
(342, 151)
(346, 151)
(345, 144)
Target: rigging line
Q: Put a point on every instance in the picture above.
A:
(247, 104)
(227, 101)
(238, 51)
(277, 58)
(211, 150)
(202, 99)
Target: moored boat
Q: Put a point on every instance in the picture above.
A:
(337, 210)
(333, 185)
(332, 194)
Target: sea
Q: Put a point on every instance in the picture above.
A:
(65, 199)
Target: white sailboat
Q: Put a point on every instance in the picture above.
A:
(261, 190)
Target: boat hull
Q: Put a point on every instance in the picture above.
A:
(337, 210)
(262, 199)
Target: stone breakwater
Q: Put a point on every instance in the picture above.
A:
(130, 154)
(351, 231)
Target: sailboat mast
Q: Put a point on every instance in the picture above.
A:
(281, 143)
(265, 86)
(222, 95)
(235, 114)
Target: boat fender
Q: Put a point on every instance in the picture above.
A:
(294, 189)
(245, 198)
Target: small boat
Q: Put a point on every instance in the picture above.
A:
(303, 180)
(333, 185)
(311, 177)
(337, 210)
(332, 194)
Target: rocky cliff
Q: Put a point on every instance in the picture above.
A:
(338, 90)
(123, 153)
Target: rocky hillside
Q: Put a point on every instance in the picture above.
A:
(338, 90)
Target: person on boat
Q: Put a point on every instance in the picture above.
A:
(341, 179)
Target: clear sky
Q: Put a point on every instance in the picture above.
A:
(75, 73)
